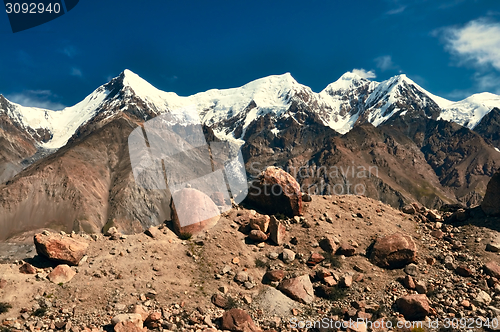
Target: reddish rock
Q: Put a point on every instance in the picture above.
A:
(277, 231)
(492, 269)
(275, 275)
(330, 281)
(260, 222)
(276, 191)
(193, 211)
(238, 320)
(414, 307)
(394, 251)
(491, 201)
(153, 320)
(135, 319)
(315, 259)
(299, 289)
(60, 248)
(3, 283)
(61, 274)
(328, 244)
(27, 268)
(408, 282)
(128, 327)
(464, 271)
(346, 249)
(257, 235)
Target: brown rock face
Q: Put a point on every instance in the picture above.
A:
(193, 211)
(299, 289)
(260, 222)
(276, 191)
(238, 320)
(394, 251)
(61, 274)
(414, 307)
(491, 201)
(60, 249)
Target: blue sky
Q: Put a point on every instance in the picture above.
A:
(449, 47)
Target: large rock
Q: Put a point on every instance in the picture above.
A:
(61, 274)
(277, 231)
(492, 269)
(394, 251)
(276, 191)
(193, 211)
(238, 320)
(299, 289)
(128, 323)
(60, 248)
(414, 306)
(491, 201)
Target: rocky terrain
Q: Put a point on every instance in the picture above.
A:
(346, 257)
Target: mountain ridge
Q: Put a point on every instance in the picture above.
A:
(349, 101)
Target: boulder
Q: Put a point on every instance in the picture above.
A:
(299, 289)
(193, 211)
(277, 231)
(394, 251)
(491, 201)
(238, 320)
(61, 274)
(414, 307)
(276, 191)
(60, 248)
(219, 301)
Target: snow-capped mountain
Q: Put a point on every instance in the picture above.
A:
(344, 103)
(471, 110)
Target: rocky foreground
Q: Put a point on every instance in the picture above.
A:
(346, 257)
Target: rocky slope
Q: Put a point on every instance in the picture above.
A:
(334, 263)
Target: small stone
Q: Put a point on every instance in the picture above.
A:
(288, 256)
(61, 274)
(411, 269)
(241, 276)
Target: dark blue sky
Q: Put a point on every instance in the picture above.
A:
(449, 47)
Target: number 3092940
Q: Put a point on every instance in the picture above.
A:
(32, 8)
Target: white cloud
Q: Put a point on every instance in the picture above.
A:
(384, 62)
(76, 72)
(363, 73)
(36, 98)
(477, 43)
(70, 51)
(397, 10)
